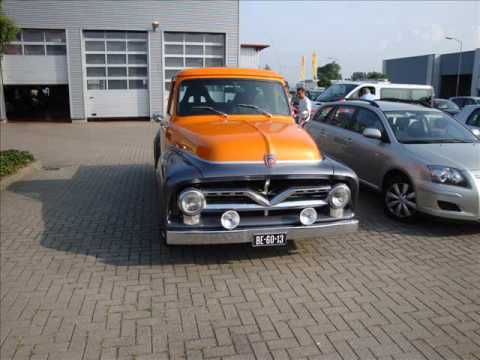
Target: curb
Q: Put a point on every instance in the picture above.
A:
(8, 180)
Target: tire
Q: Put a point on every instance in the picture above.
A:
(399, 199)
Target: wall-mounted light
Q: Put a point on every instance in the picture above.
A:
(155, 25)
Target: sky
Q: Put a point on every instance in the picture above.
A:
(359, 35)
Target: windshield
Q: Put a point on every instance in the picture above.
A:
(336, 92)
(232, 97)
(427, 127)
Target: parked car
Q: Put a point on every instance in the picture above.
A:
(314, 94)
(470, 116)
(422, 160)
(233, 167)
(350, 90)
(463, 101)
(446, 106)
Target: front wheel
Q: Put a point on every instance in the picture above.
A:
(400, 199)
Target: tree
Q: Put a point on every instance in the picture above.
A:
(372, 75)
(8, 30)
(358, 76)
(327, 73)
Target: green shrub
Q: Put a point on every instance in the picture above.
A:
(12, 160)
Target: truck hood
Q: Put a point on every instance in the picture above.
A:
(463, 156)
(241, 140)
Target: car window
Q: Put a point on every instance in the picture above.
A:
(427, 127)
(322, 114)
(366, 119)
(336, 92)
(356, 94)
(458, 101)
(420, 95)
(469, 102)
(343, 117)
(474, 118)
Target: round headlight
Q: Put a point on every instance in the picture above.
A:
(230, 219)
(308, 216)
(191, 202)
(339, 196)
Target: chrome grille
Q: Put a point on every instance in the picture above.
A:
(244, 199)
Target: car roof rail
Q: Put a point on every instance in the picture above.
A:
(371, 102)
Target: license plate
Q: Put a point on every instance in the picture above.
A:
(274, 239)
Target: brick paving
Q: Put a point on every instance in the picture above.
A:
(84, 275)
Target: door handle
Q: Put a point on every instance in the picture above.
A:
(348, 140)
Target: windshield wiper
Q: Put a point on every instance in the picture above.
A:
(212, 109)
(260, 110)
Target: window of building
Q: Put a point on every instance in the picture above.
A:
(191, 50)
(38, 42)
(116, 60)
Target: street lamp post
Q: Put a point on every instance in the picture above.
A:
(459, 61)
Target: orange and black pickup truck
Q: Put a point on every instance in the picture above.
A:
(232, 166)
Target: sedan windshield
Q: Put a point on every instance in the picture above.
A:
(427, 127)
(232, 97)
(336, 92)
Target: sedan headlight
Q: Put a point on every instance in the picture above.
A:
(191, 202)
(447, 175)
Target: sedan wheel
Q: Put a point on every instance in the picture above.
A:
(400, 200)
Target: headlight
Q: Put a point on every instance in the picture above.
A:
(339, 196)
(447, 175)
(191, 202)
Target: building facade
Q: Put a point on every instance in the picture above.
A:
(87, 59)
(438, 70)
(250, 55)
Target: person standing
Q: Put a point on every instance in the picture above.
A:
(304, 107)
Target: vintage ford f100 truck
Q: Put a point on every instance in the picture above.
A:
(232, 166)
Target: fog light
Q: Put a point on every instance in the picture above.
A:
(339, 196)
(191, 202)
(230, 219)
(308, 216)
(191, 220)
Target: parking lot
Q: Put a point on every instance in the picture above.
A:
(84, 274)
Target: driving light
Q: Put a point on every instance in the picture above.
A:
(308, 216)
(191, 202)
(339, 196)
(230, 219)
(447, 175)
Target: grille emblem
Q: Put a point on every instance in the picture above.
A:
(270, 160)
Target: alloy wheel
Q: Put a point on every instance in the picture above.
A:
(400, 200)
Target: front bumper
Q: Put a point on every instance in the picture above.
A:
(202, 237)
(430, 195)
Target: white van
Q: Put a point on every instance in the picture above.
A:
(343, 90)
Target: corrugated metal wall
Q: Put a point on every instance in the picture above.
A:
(249, 58)
(76, 15)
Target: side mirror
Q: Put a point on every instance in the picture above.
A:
(476, 132)
(372, 133)
(160, 119)
(304, 115)
(157, 117)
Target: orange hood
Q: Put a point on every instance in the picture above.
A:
(243, 138)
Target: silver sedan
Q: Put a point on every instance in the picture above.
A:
(422, 160)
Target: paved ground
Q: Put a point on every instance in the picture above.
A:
(83, 275)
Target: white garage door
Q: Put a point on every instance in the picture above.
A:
(36, 57)
(116, 68)
(191, 50)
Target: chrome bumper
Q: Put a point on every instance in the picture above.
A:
(202, 237)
